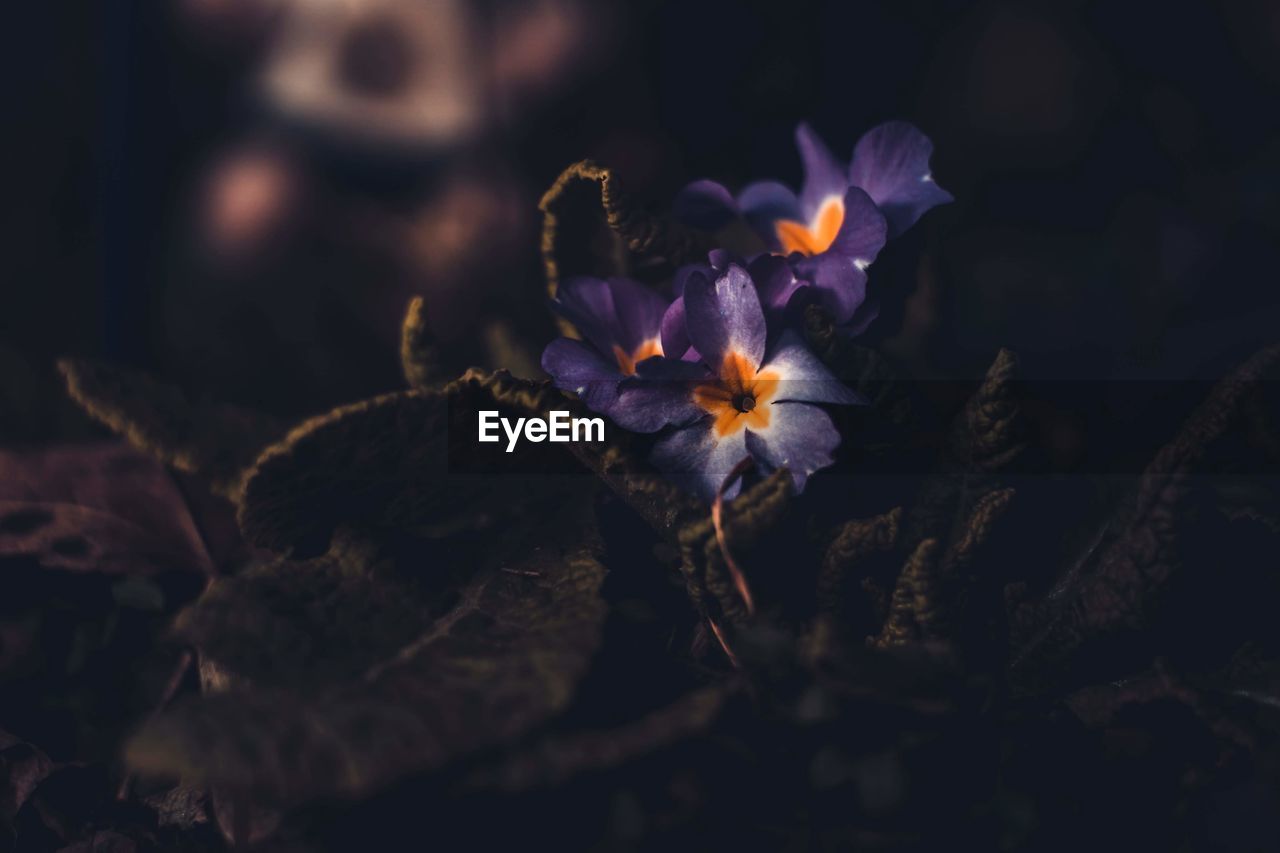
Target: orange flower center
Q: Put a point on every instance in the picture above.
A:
(738, 397)
(627, 361)
(816, 237)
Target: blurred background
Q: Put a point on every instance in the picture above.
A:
(242, 195)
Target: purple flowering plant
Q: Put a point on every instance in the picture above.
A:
(718, 370)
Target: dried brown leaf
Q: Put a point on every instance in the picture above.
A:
(913, 609)
(214, 440)
(750, 524)
(985, 437)
(557, 759)
(1135, 567)
(403, 461)
(96, 508)
(591, 227)
(22, 768)
(419, 356)
(854, 541)
(407, 695)
(986, 512)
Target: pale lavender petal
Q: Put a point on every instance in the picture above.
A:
(725, 317)
(824, 176)
(840, 282)
(696, 460)
(579, 369)
(800, 438)
(705, 204)
(891, 162)
(863, 231)
(803, 378)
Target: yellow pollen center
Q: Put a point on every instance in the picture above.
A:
(816, 237)
(627, 361)
(738, 397)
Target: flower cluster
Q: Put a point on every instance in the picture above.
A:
(719, 368)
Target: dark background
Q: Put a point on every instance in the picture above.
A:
(1115, 166)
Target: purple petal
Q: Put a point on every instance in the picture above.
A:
(705, 204)
(617, 311)
(660, 394)
(686, 272)
(764, 203)
(799, 438)
(824, 176)
(587, 303)
(579, 369)
(725, 317)
(891, 162)
(803, 378)
(675, 337)
(720, 259)
(639, 312)
(775, 281)
(840, 282)
(863, 231)
(696, 460)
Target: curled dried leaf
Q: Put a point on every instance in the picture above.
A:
(419, 356)
(854, 541)
(986, 512)
(985, 437)
(214, 440)
(913, 609)
(591, 227)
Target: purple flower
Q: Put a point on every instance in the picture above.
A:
(833, 230)
(782, 295)
(620, 321)
(741, 398)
